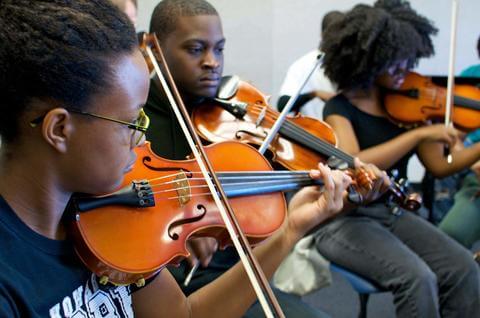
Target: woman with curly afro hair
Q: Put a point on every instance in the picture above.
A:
(367, 51)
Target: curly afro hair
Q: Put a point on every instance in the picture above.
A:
(368, 39)
(57, 49)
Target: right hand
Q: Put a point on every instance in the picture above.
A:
(440, 133)
(201, 250)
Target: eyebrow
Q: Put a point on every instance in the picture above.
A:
(203, 41)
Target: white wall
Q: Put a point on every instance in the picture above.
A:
(265, 36)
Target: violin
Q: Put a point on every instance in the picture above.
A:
(243, 114)
(129, 235)
(419, 101)
(150, 48)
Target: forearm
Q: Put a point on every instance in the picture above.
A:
(431, 154)
(302, 99)
(385, 155)
(232, 294)
(324, 95)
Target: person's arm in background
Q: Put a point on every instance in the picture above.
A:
(303, 99)
(318, 86)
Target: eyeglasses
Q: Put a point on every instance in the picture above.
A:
(139, 125)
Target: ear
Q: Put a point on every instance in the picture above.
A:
(57, 128)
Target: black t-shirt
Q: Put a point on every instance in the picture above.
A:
(370, 130)
(41, 277)
(165, 134)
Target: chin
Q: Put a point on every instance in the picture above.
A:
(108, 188)
(208, 92)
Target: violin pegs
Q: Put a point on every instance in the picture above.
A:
(140, 282)
(103, 280)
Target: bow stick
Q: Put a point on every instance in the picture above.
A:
(257, 277)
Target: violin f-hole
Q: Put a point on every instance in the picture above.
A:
(147, 159)
(200, 208)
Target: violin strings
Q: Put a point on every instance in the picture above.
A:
(273, 182)
(256, 182)
(253, 179)
(319, 145)
(234, 175)
(432, 94)
(164, 177)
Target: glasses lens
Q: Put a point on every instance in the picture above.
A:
(143, 122)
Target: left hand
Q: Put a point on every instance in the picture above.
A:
(312, 205)
(201, 250)
(380, 182)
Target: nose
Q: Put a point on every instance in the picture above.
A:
(211, 61)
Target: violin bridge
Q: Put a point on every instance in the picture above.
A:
(183, 188)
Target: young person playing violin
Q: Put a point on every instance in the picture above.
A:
(73, 86)
(429, 274)
(192, 40)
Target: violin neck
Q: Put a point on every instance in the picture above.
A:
(296, 133)
(238, 184)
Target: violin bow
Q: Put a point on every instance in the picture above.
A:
(283, 115)
(450, 82)
(257, 278)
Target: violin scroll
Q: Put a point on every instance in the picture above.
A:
(400, 197)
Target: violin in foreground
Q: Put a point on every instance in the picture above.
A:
(128, 236)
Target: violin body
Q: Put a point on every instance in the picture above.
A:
(301, 143)
(420, 101)
(214, 123)
(123, 245)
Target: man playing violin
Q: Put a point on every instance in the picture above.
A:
(192, 40)
(73, 87)
(368, 51)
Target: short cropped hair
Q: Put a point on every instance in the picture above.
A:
(58, 50)
(166, 13)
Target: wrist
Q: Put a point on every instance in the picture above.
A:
(347, 204)
(291, 234)
(418, 134)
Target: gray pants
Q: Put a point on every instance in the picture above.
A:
(429, 274)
